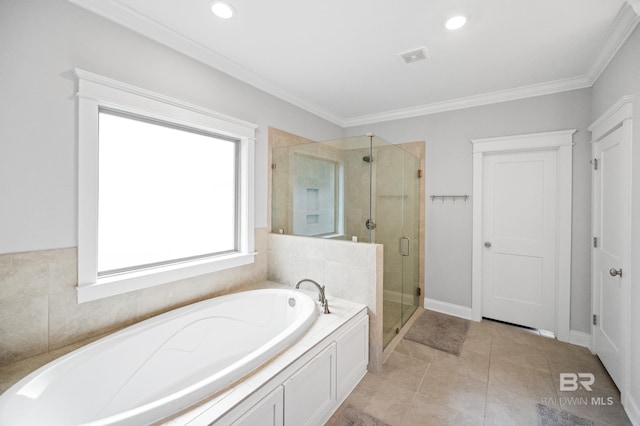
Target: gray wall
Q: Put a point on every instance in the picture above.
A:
(40, 41)
(449, 171)
(621, 78)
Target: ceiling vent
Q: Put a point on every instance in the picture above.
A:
(415, 55)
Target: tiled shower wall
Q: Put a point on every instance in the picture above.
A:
(357, 170)
(39, 310)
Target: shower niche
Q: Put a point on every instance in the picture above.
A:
(362, 189)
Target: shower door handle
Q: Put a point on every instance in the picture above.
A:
(401, 248)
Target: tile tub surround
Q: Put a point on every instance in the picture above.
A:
(39, 312)
(350, 271)
(324, 326)
(501, 375)
(11, 373)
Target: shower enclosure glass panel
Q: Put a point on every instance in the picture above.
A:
(315, 190)
(307, 194)
(396, 205)
(361, 187)
(411, 228)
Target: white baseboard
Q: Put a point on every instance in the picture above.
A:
(448, 308)
(579, 338)
(632, 410)
(575, 337)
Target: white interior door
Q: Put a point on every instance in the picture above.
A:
(610, 219)
(520, 238)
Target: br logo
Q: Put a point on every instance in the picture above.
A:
(572, 381)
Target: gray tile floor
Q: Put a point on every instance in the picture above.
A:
(501, 375)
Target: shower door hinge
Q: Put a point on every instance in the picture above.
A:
(595, 319)
(595, 163)
(595, 242)
(418, 291)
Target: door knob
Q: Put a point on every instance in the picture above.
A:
(487, 244)
(613, 272)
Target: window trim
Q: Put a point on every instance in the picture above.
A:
(95, 92)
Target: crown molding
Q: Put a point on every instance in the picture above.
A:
(473, 101)
(624, 24)
(131, 19)
(626, 21)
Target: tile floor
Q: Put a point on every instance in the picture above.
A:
(500, 376)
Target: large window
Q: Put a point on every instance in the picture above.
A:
(165, 189)
(165, 194)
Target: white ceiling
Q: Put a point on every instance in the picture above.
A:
(339, 58)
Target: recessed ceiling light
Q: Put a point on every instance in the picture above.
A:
(222, 9)
(456, 22)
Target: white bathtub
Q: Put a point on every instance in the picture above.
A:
(163, 365)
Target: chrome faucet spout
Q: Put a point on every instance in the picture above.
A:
(321, 298)
(320, 288)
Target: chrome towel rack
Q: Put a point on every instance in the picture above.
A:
(464, 197)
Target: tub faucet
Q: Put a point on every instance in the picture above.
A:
(322, 298)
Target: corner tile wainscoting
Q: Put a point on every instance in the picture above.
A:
(304, 384)
(40, 318)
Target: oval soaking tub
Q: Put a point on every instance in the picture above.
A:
(153, 369)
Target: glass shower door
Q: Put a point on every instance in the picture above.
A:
(410, 249)
(387, 204)
(395, 198)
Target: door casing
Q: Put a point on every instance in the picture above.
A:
(561, 142)
(618, 117)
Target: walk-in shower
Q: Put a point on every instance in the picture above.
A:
(359, 189)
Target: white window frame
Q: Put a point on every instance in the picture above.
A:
(95, 92)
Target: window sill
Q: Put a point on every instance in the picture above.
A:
(132, 281)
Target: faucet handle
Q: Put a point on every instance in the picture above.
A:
(326, 306)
